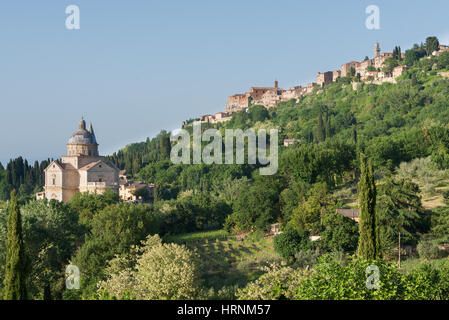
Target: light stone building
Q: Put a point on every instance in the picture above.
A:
(81, 170)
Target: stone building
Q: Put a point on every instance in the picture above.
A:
(81, 170)
(237, 102)
(376, 50)
(134, 191)
(336, 74)
(324, 78)
(346, 68)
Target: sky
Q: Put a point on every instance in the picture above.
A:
(137, 67)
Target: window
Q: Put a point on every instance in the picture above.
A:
(54, 181)
(100, 180)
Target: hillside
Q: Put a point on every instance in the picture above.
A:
(398, 131)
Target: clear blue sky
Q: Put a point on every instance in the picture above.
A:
(136, 67)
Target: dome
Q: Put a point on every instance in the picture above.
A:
(83, 136)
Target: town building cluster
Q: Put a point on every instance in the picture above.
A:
(368, 70)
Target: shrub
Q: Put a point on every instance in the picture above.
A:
(288, 243)
(155, 271)
(307, 258)
(244, 266)
(276, 284)
(332, 280)
(428, 250)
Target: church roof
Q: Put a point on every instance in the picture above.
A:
(90, 165)
(83, 136)
(54, 162)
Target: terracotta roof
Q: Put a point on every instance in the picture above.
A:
(90, 165)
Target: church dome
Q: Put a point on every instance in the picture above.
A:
(83, 136)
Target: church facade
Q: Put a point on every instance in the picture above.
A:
(81, 170)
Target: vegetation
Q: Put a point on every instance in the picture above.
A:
(383, 149)
(368, 226)
(15, 273)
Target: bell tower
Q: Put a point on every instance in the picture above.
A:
(376, 50)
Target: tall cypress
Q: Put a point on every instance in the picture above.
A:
(368, 247)
(14, 288)
(320, 129)
(327, 125)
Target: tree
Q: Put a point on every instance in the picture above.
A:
(258, 113)
(413, 55)
(432, 44)
(368, 247)
(327, 125)
(290, 242)
(154, 271)
(320, 131)
(15, 277)
(397, 55)
(256, 207)
(443, 60)
(114, 230)
(339, 233)
(389, 64)
(400, 211)
(51, 234)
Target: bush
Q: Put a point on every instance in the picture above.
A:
(428, 250)
(155, 271)
(244, 266)
(428, 283)
(276, 284)
(332, 280)
(288, 243)
(307, 258)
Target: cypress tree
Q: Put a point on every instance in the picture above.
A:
(327, 124)
(14, 288)
(368, 247)
(354, 134)
(320, 130)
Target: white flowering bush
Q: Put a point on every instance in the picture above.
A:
(277, 283)
(154, 271)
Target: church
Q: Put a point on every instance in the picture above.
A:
(81, 170)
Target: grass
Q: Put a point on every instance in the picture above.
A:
(205, 237)
(227, 261)
(411, 264)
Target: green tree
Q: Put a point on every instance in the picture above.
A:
(320, 131)
(51, 234)
(339, 233)
(400, 211)
(443, 60)
(389, 64)
(432, 44)
(114, 230)
(155, 271)
(15, 277)
(413, 55)
(290, 242)
(368, 247)
(397, 55)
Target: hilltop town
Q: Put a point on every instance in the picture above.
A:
(368, 71)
